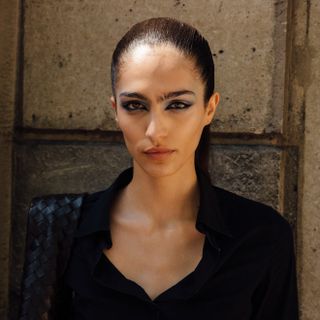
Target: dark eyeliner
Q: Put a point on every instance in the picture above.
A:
(126, 104)
(186, 105)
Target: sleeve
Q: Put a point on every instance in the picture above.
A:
(51, 221)
(276, 298)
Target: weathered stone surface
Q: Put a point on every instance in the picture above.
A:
(288, 185)
(50, 169)
(252, 172)
(9, 32)
(309, 224)
(68, 47)
(300, 77)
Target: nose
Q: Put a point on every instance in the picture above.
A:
(157, 128)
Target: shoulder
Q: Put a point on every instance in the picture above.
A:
(51, 221)
(57, 211)
(90, 198)
(91, 202)
(244, 215)
(53, 203)
(59, 198)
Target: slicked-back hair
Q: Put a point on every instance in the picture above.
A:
(187, 40)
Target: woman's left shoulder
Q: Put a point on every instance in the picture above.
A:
(244, 215)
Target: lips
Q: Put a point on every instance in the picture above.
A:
(158, 150)
(159, 154)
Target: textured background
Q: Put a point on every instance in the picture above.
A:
(57, 132)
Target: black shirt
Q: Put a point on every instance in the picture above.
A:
(247, 270)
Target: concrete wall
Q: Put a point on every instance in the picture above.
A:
(56, 90)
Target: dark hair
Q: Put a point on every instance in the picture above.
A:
(189, 42)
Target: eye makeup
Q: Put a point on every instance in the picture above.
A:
(139, 106)
(133, 105)
(180, 105)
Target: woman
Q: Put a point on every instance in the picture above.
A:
(162, 242)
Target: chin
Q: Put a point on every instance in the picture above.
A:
(158, 169)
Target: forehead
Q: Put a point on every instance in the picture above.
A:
(160, 67)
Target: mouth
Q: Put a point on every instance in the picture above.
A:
(158, 150)
(158, 153)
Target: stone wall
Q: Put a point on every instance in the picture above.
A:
(309, 215)
(9, 34)
(58, 133)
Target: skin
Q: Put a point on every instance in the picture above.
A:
(156, 212)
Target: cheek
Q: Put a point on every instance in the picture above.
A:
(189, 132)
(131, 131)
(193, 124)
(195, 134)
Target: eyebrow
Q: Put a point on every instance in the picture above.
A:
(163, 97)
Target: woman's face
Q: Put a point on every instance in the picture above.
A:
(160, 104)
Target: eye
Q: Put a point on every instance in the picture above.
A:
(133, 105)
(179, 105)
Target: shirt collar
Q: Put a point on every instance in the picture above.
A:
(95, 209)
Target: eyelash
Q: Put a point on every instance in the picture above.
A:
(126, 105)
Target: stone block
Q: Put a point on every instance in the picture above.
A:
(68, 47)
(250, 171)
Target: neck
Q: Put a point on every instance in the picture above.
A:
(163, 201)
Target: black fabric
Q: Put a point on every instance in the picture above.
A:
(247, 271)
(51, 223)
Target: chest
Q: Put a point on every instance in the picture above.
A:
(157, 262)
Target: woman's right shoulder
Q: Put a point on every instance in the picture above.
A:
(90, 198)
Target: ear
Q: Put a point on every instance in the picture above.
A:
(114, 107)
(211, 107)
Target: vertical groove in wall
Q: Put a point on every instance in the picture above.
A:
(289, 160)
(18, 121)
(20, 69)
(298, 81)
(288, 167)
(308, 17)
(9, 30)
(282, 182)
(288, 61)
(280, 30)
(290, 164)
